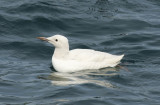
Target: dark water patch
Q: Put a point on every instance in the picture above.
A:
(155, 93)
(4, 84)
(91, 87)
(36, 7)
(130, 24)
(25, 45)
(153, 53)
(81, 46)
(10, 99)
(50, 24)
(5, 25)
(17, 77)
(102, 9)
(33, 7)
(155, 43)
(89, 101)
(134, 6)
(131, 39)
(74, 92)
(108, 43)
(27, 50)
(155, 2)
(150, 76)
(37, 23)
(135, 57)
(134, 38)
(121, 79)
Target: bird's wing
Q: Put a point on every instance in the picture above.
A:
(88, 55)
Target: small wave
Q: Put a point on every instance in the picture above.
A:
(28, 49)
(150, 53)
(102, 9)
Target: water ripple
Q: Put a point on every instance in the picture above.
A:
(114, 26)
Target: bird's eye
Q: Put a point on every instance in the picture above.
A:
(56, 40)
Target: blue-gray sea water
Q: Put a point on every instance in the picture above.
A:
(130, 27)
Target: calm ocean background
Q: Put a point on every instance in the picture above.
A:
(131, 27)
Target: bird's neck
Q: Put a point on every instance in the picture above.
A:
(61, 53)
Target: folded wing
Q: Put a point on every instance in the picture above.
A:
(88, 55)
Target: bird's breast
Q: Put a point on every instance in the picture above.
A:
(73, 65)
(65, 65)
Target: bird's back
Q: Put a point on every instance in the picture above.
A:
(88, 55)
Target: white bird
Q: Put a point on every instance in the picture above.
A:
(65, 60)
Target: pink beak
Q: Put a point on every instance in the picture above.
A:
(42, 38)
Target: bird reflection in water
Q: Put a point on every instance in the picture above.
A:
(83, 77)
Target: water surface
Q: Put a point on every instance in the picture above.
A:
(115, 26)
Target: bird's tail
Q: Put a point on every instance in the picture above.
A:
(115, 60)
(119, 58)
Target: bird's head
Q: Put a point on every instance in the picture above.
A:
(58, 41)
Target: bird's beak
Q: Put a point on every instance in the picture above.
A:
(42, 38)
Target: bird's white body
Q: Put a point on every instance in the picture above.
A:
(65, 60)
(85, 59)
